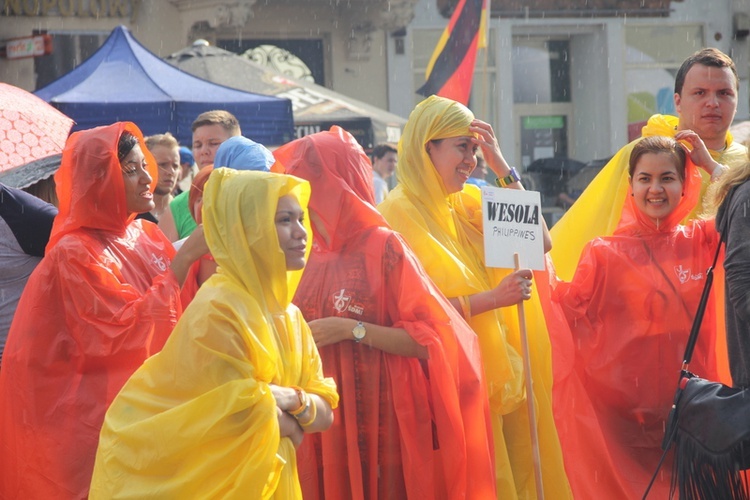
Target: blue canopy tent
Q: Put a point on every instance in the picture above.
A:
(123, 81)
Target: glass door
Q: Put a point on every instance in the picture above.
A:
(543, 114)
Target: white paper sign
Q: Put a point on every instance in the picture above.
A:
(512, 221)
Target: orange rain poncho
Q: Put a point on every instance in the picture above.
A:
(445, 232)
(630, 308)
(101, 301)
(198, 420)
(405, 428)
(598, 210)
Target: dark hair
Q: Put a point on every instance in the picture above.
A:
(125, 145)
(711, 57)
(381, 150)
(221, 117)
(658, 144)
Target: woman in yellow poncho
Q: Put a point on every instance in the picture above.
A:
(211, 416)
(441, 219)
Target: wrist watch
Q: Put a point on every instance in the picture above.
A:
(508, 179)
(359, 331)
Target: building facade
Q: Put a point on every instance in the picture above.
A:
(575, 79)
(560, 78)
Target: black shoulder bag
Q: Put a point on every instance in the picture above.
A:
(709, 424)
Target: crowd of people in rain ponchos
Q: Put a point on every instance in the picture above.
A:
(303, 343)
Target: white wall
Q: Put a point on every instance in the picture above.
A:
(401, 98)
(597, 87)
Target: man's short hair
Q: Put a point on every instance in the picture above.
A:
(711, 57)
(381, 150)
(167, 140)
(218, 117)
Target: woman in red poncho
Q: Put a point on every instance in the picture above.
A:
(630, 307)
(104, 298)
(413, 418)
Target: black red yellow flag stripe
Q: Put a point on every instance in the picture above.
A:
(451, 68)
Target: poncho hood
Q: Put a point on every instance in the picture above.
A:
(244, 211)
(633, 220)
(434, 118)
(241, 153)
(335, 164)
(90, 187)
(667, 125)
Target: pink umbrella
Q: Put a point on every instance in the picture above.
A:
(30, 129)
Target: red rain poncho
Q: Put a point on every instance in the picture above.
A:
(630, 307)
(404, 427)
(100, 302)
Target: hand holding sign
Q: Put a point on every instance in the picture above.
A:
(513, 288)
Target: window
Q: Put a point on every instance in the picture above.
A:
(69, 49)
(541, 70)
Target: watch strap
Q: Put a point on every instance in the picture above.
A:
(508, 179)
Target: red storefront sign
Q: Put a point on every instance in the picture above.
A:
(31, 46)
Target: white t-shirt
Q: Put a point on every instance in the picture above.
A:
(381, 187)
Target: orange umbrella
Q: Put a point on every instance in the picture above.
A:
(30, 129)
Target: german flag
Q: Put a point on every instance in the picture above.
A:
(451, 68)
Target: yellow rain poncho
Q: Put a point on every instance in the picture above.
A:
(445, 232)
(599, 209)
(198, 420)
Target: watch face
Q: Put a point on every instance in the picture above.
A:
(359, 331)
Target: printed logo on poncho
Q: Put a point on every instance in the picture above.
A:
(342, 303)
(159, 262)
(684, 274)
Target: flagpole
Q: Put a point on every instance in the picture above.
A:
(485, 81)
(536, 455)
